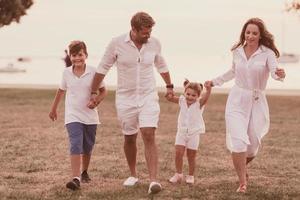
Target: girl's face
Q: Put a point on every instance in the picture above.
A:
(252, 35)
(191, 96)
(78, 59)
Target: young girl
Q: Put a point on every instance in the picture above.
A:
(81, 118)
(190, 126)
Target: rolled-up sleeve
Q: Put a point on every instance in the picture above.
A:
(159, 60)
(108, 58)
(272, 65)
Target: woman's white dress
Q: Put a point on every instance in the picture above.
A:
(247, 100)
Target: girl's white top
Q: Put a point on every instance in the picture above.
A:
(78, 92)
(190, 118)
(247, 100)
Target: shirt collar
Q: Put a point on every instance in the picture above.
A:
(86, 71)
(127, 38)
(260, 49)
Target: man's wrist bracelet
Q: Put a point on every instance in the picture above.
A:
(170, 86)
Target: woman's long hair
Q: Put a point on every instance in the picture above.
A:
(266, 38)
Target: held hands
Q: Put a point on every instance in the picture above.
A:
(94, 102)
(169, 96)
(208, 85)
(170, 93)
(280, 72)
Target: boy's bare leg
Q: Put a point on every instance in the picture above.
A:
(75, 165)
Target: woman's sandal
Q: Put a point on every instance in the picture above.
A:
(242, 188)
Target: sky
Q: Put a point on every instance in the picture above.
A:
(203, 27)
(196, 35)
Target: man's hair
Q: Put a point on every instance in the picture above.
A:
(142, 19)
(75, 46)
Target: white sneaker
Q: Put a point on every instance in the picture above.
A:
(130, 181)
(177, 178)
(189, 179)
(154, 188)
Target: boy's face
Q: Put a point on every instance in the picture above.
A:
(191, 96)
(78, 59)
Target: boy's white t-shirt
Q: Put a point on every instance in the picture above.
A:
(78, 92)
(190, 119)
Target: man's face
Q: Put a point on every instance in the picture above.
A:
(142, 35)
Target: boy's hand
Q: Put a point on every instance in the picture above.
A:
(92, 104)
(93, 101)
(53, 115)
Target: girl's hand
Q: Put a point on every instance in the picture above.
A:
(53, 115)
(280, 72)
(169, 96)
(92, 104)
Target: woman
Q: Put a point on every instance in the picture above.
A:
(247, 112)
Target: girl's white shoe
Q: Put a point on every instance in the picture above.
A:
(189, 179)
(177, 178)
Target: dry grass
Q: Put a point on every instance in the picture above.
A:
(35, 164)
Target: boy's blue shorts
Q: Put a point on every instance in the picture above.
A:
(82, 137)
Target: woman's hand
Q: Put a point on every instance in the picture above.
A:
(280, 72)
(208, 84)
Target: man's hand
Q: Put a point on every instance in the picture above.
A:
(170, 91)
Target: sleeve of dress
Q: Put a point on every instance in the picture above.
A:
(227, 76)
(272, 65)
(108, 58)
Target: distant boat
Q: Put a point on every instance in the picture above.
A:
(24, 59)
(10, 68)
(288, 58)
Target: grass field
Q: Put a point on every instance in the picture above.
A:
(34, 160)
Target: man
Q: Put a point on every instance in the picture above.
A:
(135, 54)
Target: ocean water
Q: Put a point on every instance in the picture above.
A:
(48, 71)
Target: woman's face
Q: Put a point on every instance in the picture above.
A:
(252, 35)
